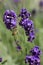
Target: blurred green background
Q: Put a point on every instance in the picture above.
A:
(8, 49)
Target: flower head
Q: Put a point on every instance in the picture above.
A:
(9, 19)
(17, 1)
(18, 47)
(24, 13)
(28, 58)
(32, 60)
(0, 59)
(31, 36)
(35, 51)
(41, 3)
(28, 26)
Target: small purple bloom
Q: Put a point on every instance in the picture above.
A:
(9, 19)
(24, 13)
(41, 3)
(28, 26)
(32, 60)
(0, 59)
(26, 23)
(18, 47)
(28, 59)
(31, 36)
(17, 1)
(37, 61)
(35, 51)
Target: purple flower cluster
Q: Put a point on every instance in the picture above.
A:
(33, 59)
(35, 51)
(27, 24)
(0, 59)
(9, 19)
(24, 13)
(41, 3)
(16, 1)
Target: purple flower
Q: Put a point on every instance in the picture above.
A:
(9, 19)
(32, 60)
(35, 51)
(37, 61)
(24, 13)
(0, 59)
(28, 58)
(31, 36)
(18, 47)
(26, 23)
(28, 26)
(41, 3)
(17, 1)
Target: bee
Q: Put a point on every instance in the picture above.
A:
(15, 31)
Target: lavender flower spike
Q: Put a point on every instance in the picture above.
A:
(31, 36)
(32, 60)
(9, 19)
(24, 13)
(35, 51)
(28, 26)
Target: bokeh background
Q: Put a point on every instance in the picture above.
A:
(8, 51)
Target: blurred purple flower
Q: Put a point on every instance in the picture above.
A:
(9, 19)
(16, 1)
(28, 58)
(0, 59)
(35, 51)
(28, 26)
(32, 60)
(18, 47)
(24, 13)
(41, 3)
(31, 35)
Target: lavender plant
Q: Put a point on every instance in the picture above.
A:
(9, 19)
(18, 53)
(27, 24)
